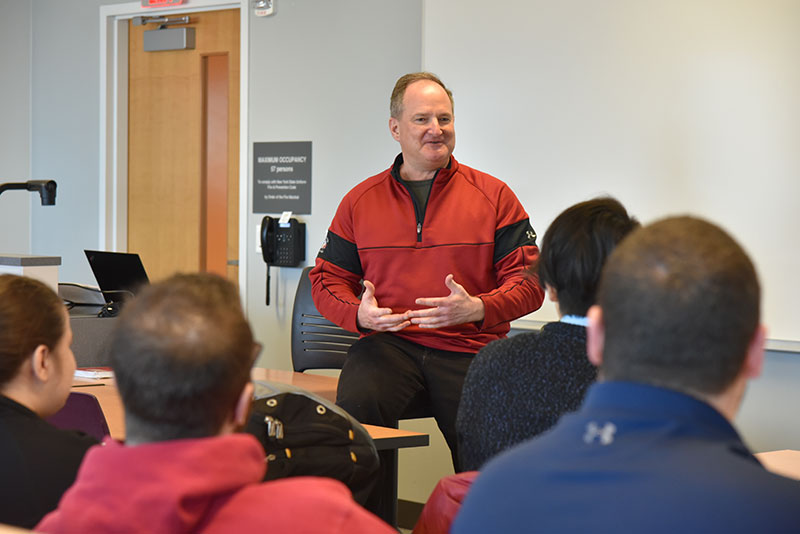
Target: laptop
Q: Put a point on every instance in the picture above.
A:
(119, 274)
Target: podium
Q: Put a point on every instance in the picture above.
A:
(43, 268)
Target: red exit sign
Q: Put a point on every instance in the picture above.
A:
(161, 3)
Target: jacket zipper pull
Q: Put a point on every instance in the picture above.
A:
(419, 231)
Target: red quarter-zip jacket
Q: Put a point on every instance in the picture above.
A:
(473, 227)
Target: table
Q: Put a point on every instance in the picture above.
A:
(387, 440)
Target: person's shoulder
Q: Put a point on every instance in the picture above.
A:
(725, 478)
(564, 334)
(506, 345)
(777, 494)
(79, 440)
(774, 487)
(36, 432)
(314, 487)
(529, 342)
(284, 503)
(504, 483)
(729, 462)
(508, 463)
(524, 465)
(492, 189)
(478, 177)
(520, 347)
(369, 185)
(502, 352)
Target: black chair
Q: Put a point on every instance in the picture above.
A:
(317, 343)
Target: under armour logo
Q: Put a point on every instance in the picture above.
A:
(531, 234)
(605, 434)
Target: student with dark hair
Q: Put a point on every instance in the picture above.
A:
(518, 387)
(182, 354)
(38, 462)
(676, 336)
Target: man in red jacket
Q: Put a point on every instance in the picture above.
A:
(182, 354)
(440, 249)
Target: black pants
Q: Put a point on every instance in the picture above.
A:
(383, 375)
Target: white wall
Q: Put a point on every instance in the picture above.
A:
(323, 72)
(65, 129)
(671, 106)
(15, 126)
(679, 106)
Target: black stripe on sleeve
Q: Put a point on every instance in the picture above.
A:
(513, 236)
(341, 252)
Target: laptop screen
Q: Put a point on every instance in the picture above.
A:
(118, 274)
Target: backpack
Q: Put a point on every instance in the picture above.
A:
(304, 434)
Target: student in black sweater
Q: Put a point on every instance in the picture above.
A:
(518, 387)
(38, 462)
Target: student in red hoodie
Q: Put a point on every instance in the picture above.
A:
(182, 355)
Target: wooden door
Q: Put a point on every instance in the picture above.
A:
(183, 145)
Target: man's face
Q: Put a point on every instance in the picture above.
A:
(425, 128)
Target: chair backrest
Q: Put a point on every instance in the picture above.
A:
(81, 412)
(317, 343)
(444, 503)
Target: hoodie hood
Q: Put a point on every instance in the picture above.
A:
(170, 486)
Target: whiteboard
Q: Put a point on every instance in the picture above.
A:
(673, 107)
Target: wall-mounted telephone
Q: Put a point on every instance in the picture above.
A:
(282, 244)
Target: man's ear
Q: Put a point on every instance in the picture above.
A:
(754, 361)
(394, 128)
(242, 410)
(595, 335)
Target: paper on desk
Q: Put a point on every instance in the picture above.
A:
(94, 372)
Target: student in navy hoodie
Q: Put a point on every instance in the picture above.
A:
(676, 336)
